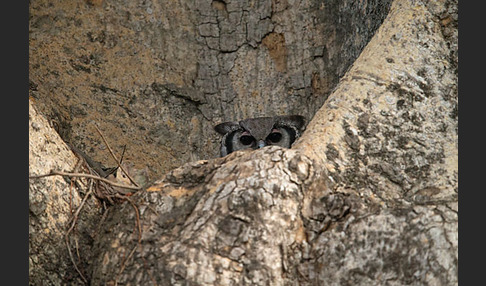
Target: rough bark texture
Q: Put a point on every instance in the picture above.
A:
(156, 76)
(52, 202)
(220, 222)
(390, 132)
(368, 195)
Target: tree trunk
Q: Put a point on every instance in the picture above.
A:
(52, 206)
(367, 196)
(157, 76)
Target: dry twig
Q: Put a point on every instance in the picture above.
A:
(102, 192)
(60, 173)
(114, 157)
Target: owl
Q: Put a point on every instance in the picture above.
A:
(258, 132)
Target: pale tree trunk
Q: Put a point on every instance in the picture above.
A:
(367, 196)
(52, 204)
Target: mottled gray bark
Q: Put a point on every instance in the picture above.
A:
(390, 132)
(374, 202)
(218, 222)
(368, 195)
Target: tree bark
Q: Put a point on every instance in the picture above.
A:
(53, 202)
(367, 196)
(157, 76)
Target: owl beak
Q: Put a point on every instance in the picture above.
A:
(261, 143)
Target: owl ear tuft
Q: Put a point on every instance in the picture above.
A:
(297, 121)
(227, 127)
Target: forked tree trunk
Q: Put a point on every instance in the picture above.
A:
(367, 196)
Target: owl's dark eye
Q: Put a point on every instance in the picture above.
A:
(246, 139)
(274, 137)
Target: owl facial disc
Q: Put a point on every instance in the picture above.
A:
(260, 132)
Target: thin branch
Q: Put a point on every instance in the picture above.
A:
(60, 173)
(114, 156)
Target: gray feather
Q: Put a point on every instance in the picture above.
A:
(259, 132)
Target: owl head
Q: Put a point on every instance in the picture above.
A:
(259, 132)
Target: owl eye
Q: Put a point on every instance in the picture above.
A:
(246, 139)
(274, 137)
